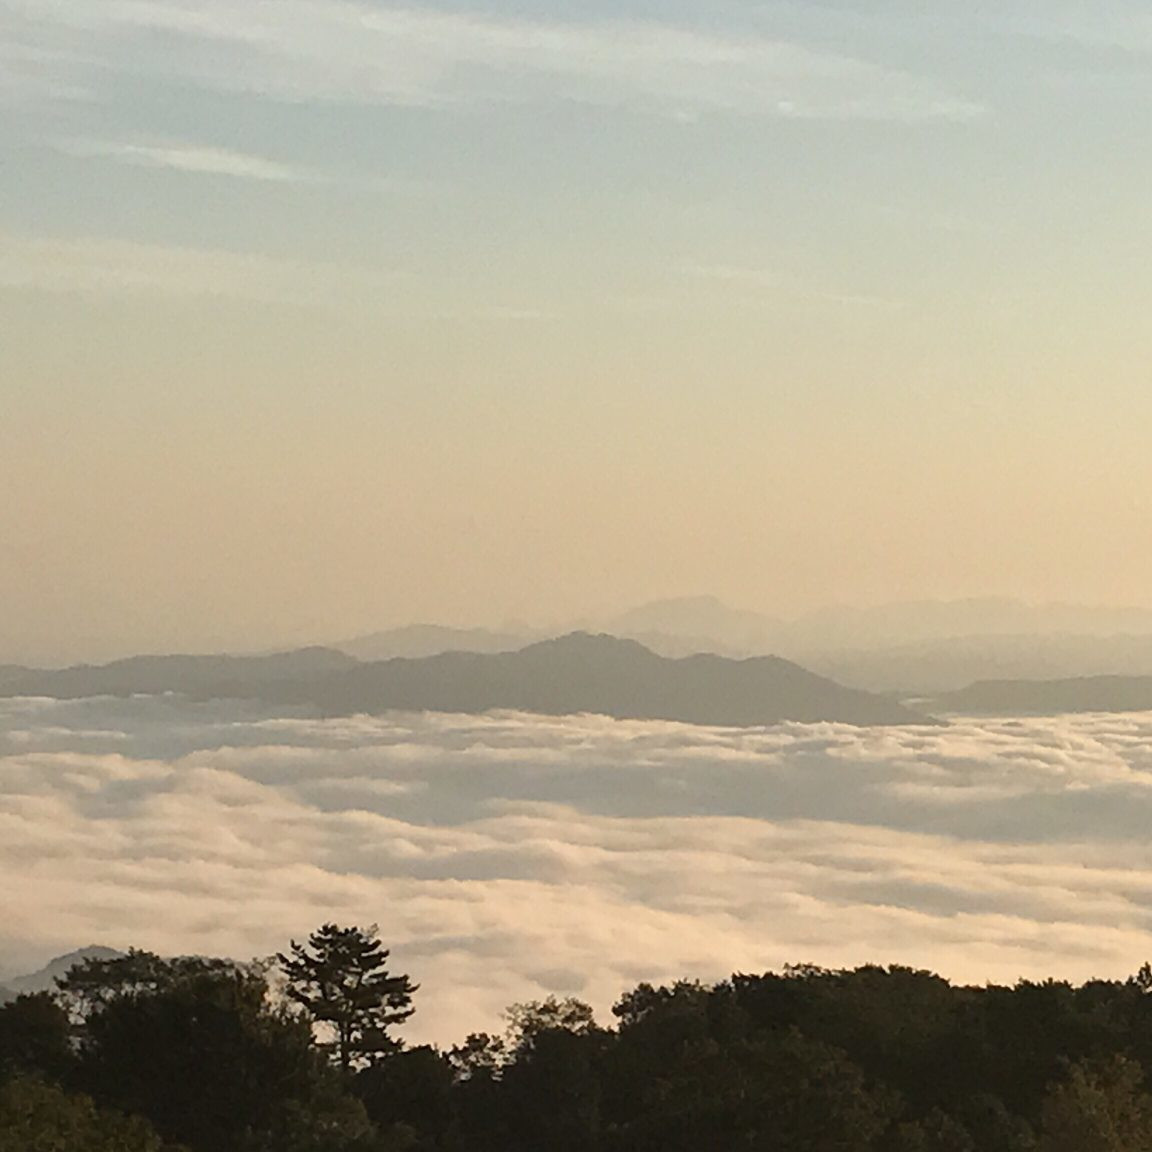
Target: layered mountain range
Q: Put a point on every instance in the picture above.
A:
(578, 673)
(693, 659)
(911, 649)
(1049, 697)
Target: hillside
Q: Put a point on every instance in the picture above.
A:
(608, 676)
(45, 979)
(1050, 697)
(418, 640)
(579, 673)
(9, 673)
(951, 664)
(200, 676)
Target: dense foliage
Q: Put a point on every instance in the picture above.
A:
(144, 1054)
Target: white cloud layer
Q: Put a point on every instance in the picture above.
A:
(376, 54)
(507, 857)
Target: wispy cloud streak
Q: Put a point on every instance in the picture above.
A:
(339, 50)
(192, 159)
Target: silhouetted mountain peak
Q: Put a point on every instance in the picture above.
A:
(704, 618)
(582, 672)
(589, 646)
(420, 640)
(597, 673)
(197, 675)
(44, 979)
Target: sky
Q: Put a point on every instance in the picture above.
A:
(318, 316)
(506, 858)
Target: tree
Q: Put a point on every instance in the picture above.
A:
(534, 1018)
(38, 1117)
(413, 1089)
(94, 983)
(341, 979)
(481, 1055)
(35, 1038)
(1100, 1107)
(772, 1092)
(198, 1048)
(551, 1089)
(937, 1132)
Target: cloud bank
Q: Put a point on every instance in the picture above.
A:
(507, 857)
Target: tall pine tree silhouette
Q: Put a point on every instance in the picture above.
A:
(341, 978)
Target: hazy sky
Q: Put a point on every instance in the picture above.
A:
(317, 316)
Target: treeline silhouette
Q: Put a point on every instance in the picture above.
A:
(301, 1054)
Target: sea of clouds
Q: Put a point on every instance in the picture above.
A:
(507, 857)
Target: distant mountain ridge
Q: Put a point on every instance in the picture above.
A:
(915, 650)
(205, 676)
(1050, 697)
(44, 980)
(605, 675)
(845, 627)
(10, 672)
(911, 648)
(579, 673)
(919, 646)
(699, 623)
(932, 666)
(418, 640)
(901, 648)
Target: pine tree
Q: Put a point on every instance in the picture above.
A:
(340, 977)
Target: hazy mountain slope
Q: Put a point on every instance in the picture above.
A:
(1049, 697)
(950, 664)
(609, 676)
(418, 640)
(573, 674)
(676, 646)
(194, 675)
(44, 980)
(915, 622)
(13, 672)
(915, 646)
(704, 622)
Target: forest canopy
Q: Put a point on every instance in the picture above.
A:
(304, 1053)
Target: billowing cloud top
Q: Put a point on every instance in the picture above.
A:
(506, 857)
